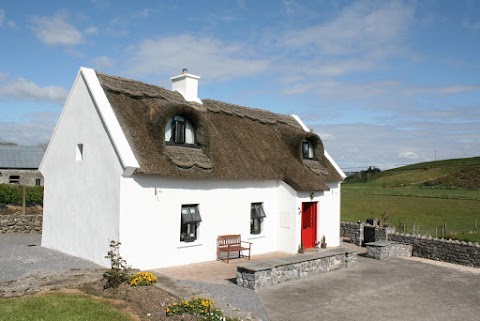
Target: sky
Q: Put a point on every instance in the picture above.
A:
(383, 83)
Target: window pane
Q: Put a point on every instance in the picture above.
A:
(306, 150)
(190, 214)
(257, 211)
(168, 131)
(189, 133)
(179, 132)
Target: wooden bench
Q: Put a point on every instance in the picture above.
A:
(232, 243)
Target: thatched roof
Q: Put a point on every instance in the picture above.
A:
(233, 142)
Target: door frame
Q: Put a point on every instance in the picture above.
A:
(309, 238)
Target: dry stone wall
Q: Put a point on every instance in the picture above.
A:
(18, 223)
(453, 251)
(354, 231)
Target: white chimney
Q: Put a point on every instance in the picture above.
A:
(187, 85)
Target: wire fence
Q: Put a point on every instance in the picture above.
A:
(440, 231)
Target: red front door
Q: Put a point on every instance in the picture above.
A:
(309, 224)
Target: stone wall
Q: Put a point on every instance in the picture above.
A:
(17, 223)
(383, 250)
(452, 251)
(356, 232)
(256, 275)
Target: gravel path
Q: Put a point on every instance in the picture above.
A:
(21, 254)
(24, 260)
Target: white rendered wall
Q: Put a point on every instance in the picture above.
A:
(328, 214)
(81, 200)
(287, 224)
(150, 218)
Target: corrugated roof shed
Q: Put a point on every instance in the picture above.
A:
(20, 157)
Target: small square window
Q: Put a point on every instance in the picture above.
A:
(257, 214)
(38, 181)
(190, 220)
(79, 154)
(14, 179)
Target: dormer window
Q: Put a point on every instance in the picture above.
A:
(307, 150)
(179, 131)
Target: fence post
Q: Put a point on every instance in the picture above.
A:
(474, 225)
(445, 227)
(436, 232)
(24, 198)
(413, 229)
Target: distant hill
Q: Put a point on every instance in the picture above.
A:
(452, 173)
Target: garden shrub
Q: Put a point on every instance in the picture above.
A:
(119, 272)
(143, 278)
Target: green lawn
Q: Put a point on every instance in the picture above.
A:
(59, 307)
(429, 208)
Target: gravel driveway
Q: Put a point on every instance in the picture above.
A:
(21, 254)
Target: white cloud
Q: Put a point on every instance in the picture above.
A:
(359, 145)
(56, 30)
(408, 155)
(326, 136)
(445, 90)
(360, 28)
(206, 57)
(102, 62)
(2, 16)
(36, 130)
(362, 38)
(22, 89)
(91, 31)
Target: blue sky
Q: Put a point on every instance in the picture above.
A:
(383, 83)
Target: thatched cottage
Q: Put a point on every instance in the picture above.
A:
(165, 173)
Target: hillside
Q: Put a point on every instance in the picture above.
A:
(461, 173)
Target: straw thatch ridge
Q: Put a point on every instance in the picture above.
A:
(232, 142)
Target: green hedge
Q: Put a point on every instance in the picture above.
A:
(12, 194)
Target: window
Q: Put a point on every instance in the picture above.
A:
(79, 153)
(307, 150)
(38, 181)
(257, 214)
(190, 221)
(14, 179)
(179, 131)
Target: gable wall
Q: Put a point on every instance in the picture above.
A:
(81, 197)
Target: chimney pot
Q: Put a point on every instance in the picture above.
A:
(184, 70)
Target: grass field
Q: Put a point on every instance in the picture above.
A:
(59, 307)
(426, 208)
(420, 198)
